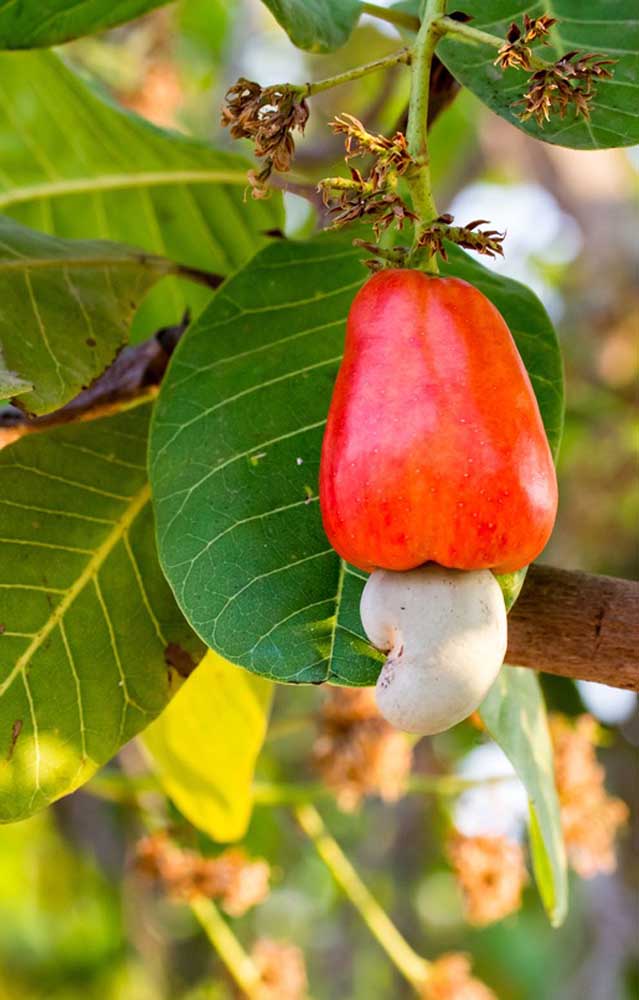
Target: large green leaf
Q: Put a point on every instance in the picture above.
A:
(26, 24)
(607, 26)
(87, 618)
(205, 744)
(66, 310)
(235, 451)
(73, 165)
(316, 25)
(515, 716)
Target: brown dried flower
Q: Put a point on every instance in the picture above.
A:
(450, 979)
(569, 82)
(492, 874)
(268, 116)
(357, 752)
(590, 818)
(232, 878)
(486, 241)
(282, 969)
(516, 52)
(537, 27)
(373, 196)
(349, 199)
(390, 153)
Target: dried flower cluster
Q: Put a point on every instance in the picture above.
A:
(553, 87)
(374, 195)
(282, 970)
(357, 752)
(590, 818)
(516, 52)
(267, 116)
(390, 154)
(450, 979)
(487, 241)
(492, 873)
(232, 878)
(569, 82)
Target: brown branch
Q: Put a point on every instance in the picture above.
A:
(136, 373)
(577, 625)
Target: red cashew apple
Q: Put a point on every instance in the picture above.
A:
(434, 447)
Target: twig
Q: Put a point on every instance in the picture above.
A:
(400, 18)
(239, 964)
(412, 966)
(316, 87)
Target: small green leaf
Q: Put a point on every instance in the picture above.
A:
(32, 23)
(85, 612)
(609, 27)
(234, 459)
(10, 382)
(204, 746)
(316, 25)
(66, 310)
(80, 168)
(514, 714)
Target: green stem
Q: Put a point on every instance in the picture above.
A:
(419, 178)
(127, 790)
(412, 966)
(397, 17)
(275, 793)
(466, 33)
(239, 964)
(309, 89)
(474, 36)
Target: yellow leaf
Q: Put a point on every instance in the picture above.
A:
(204, 746)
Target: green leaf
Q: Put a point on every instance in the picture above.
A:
(514, 714)
(235, 449)
(316, 25)
(10, 382)
(73, 165)
(86, 614)
(32, 23)
(66, 310)
(205, 744)
(602, 26)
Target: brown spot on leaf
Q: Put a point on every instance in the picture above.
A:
(3, 628)
(16, 729)
(179, 659)
(90, 342)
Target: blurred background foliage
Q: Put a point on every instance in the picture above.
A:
(76, 922)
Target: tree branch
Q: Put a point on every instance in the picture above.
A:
(577, 625)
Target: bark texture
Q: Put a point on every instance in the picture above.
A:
(577, 625)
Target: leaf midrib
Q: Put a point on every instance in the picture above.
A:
(112, 182)
(25, 263)
(120, 529)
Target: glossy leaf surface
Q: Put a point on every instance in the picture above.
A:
(86, 614)
(122, 179)
(608, 27)
(66, 310)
